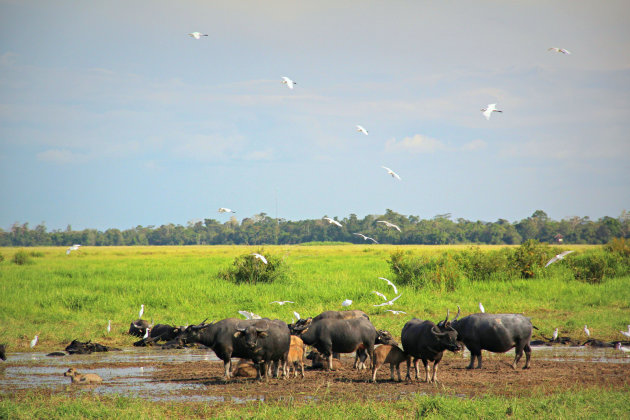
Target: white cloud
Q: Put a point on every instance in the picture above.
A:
(62, 156)
(416, 144)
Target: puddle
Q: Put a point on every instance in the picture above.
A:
(580, 354)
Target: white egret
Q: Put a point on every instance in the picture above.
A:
(260, 257)
(34, 341)
(396, 312)
(282, 302)
(389, 224)
(481, 308)
(365, 238)
(392, 173)
(146, 333)
(558, 257)
(197, 35)
(391, 302)
(555, 335)
(379, 294)
(249, 315)
(297, 316)
(109, 326)
(619, 346)
(290, 83)
(141, 312)
(586, 331)
(391, 284)
(362, 130)
(225, 210)
(74, 247)
(346, 302)
(626, 333)
(487, 111)
(332, 221)
(559, 50)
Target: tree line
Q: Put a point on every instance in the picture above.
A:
(264, 230)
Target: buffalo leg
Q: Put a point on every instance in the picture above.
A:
(374, 369)
(227, 366)
(434, 376)
(528, 354)
(426, 370)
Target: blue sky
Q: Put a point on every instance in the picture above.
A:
(112, 116)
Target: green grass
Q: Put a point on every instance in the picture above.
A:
(571, 404)
(63, 297)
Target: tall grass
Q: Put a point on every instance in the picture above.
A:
(62, 297)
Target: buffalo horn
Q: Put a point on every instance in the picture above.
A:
(456, 316)
(437, 332)
(447, 313)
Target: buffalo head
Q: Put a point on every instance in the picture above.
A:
(251, 333)
(385, 337)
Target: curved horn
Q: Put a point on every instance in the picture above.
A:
(437, 332)
(456, 316)
(204, 321)
(447, 314)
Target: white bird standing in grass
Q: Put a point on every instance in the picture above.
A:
(197, 35)
(346, 302)
(225, 210)
(626, 333)
(389, 224)
(34, 341)
(391, 302)
(481, 308)
(290, 83)
(109, 326)
(260, 257)
(555, 335)
(74, 247)
(586, 331)
(282, 302)
(391, 284)
(379, 294)
(392, 173)
(362, 130)
(141, 312)
(559, 50)
(487, 111)
(396, 312)
(333, 221)
(249, 315)
(558, 257)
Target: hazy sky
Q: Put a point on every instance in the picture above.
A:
(112, 116)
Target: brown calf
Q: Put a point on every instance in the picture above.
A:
(389, 354)
(296, 356)
(78, 378)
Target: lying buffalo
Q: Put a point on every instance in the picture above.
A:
(497, 333)
(261, 340)
(138, 327)
(78, 347)
(165, 332)
(426, 341)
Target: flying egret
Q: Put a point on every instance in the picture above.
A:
(346, 302)
(290, 83)
(109, 326)
(586, 331)
(489, 110)
(559, 50)
(389, 224)
(481, 308)
(391, 284)
(365, 238)
(392, 173)
(197, 35)
(74, 247)
(362, 130)
(249, 315)
(260, 257)
(34, 341)
(555, 335)
(558, 257)
(391, 302)
(396, 312)
(225, 210)
(141, 312)
(626, 333)
(282, 302)
(296, 315)
(379, 294)
(332, 221)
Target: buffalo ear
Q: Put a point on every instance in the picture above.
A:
(238, 334)
(263, 334)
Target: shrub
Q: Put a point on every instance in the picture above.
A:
(248, 269)
(530, 256)
(22, 257)
(440, 271)
(592, 267)
(1, 258)
(480, 266)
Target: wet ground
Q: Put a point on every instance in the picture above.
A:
(197, 375)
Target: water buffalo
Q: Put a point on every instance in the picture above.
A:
(138, 327)
(497, 333)
(319, 362)
(330, 336)
(165, 332)
(389, 354)
(295, 357)
(79, 347)
(3, 350)
(261, 340)
(426, 341)
(83, 379)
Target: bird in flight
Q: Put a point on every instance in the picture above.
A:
(282, 302)
(362, 130)
(74, 247)
(396, 312)
(481, 308)
(249, 315)
(346, 302)
(197, 35)
(290, 83)
(379, 294)
(365, 238)
(34, 341)
(391, 284)
(392, 173)
(141, 312)
(390, 302)
(260, 257)
(559, 50)
(332, 221)
(487, 111)
(225, 210)
(389, 224)
(558, 257)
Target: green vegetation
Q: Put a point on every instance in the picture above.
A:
(248, 269)
(572, 404)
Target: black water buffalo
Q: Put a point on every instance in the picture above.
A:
(3, 350)
(330, 336)
(497, 333)
(165, 332)
(260, 340)
(426, 341)
(138, 327)
(79, 347)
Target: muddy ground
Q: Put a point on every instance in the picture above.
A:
(203, 380)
